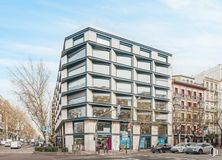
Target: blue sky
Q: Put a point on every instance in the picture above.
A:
(35, 29)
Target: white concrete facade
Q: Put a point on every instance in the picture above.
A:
(79, 117)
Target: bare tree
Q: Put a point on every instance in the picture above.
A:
(31, 87)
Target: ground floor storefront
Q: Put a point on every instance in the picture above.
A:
(111, 135)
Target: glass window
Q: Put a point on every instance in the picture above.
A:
(161, 93)
(123, 73)
(145, 129)
(77, 98)
(99, 97)
(124, 100)
(78, 142)
(78, 127)
(162, 69)
(144, 104)
(98, 111)
(162, 129)
(125, 46)
(124, 114)
(79, 83)
(143, 64)
(78, 40)
(144, 116)
(77, 55)
(161, 81)
(80, 68)
(104, 127)
(124, 59)
(123, 126)
(68, 43)
(162, 58)
(161, 117)
(101, 68)
(143, 77)
(161, 105)
(101, 53)
(77, 112)
(145, 52)
(103, 40)
(123, 86)
(144, 90)
(101, 83)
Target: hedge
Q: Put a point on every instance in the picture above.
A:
(65, 149)
(46, 149)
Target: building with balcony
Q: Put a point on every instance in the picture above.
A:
(211, 79)
(188, 109)
(97, 73)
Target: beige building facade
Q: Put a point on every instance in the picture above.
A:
(188, 110)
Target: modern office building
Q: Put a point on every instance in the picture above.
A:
(188, 110)
(100, 73)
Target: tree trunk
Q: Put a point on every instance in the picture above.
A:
(220, 137)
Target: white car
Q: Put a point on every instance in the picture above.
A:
(2, 142)
(7, 144)
(16, 145)
(180, 147)
(200, 148)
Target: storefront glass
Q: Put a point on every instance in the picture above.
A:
(78, 142)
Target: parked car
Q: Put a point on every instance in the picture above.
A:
(3, 142)
(161, 148)
(180, 147)
(15, 145)
(7, 143)
(199, 148)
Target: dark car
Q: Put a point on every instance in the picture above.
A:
(161, 148)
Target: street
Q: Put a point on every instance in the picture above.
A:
(26, 153)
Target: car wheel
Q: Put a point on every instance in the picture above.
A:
(212, 151)
(200, 151)
(187, 153)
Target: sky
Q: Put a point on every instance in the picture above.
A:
(35, 29)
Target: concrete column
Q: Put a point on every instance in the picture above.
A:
(89, 129)
(115, 136)
(136, 136)
(155, 134)
(115, 43)
(69, 142)
(90, 35)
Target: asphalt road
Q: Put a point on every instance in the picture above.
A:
(26, 153)
(165, 156)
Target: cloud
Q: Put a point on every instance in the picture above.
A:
(28, 48)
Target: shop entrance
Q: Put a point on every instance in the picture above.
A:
(145, 142)
(104, 141)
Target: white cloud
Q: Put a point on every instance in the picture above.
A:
(28, 48)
